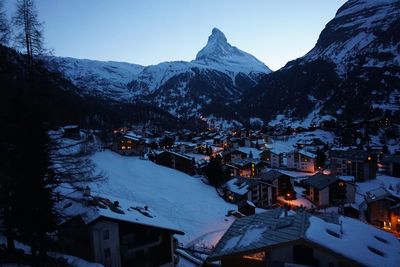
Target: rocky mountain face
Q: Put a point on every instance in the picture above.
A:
(352, 72)
(219, 75)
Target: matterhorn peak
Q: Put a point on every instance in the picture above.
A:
(216, 47)
(219, 54)
(217, 36)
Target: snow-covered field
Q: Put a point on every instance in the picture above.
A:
(186, 201)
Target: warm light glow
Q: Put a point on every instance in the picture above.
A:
(123, 147)
(387, 225)
(260, 256)
(341, 184)
(369, 158)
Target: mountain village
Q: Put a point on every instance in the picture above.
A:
(272, 193)
(217, 161)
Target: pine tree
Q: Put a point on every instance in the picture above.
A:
(4, 26)
(29, 28)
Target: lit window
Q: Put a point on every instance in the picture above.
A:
(129, 147)
(123, 147)
(387, 225)
(341, 184)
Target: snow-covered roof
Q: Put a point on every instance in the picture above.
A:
(244, 162)
(237, 185)
(94, 207)
(376, 194)
(307, 154)
(320, 181)
(355, 240)
(132, 136)
(350, 238)
(254, 151)
(347, 178)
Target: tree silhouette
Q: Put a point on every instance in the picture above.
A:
(29, 28)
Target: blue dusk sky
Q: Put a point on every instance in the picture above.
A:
(148, 32)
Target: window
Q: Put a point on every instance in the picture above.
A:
(106, 234)
(387, 225)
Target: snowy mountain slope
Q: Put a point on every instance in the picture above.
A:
(358, 28)
(218, 76)
(102, 78)
(186, 201)
(353, 70)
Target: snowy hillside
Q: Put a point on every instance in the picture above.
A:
(191, 205)
(102, 78)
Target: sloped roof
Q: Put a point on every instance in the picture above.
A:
(320, 181)
(376, 194)
(271, 175)
(261, 230)
(94, 207)
(354, 240)
(352, 154)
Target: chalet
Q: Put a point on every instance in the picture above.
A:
(185, 147)
(277, 155)
(129, 144)
(237, 154)
(115, 232)
(358, 163)
(72, 132)
(235, 142)
(383, 209)
(328, 190)
(391, 165)
(284, 183)
(250, 152)
(302, 160)
(247, 167)
(279, 238)
(258, 143)
(261, 193)
(178, 161)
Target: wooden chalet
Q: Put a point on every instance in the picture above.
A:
(329, 190)
(280, 238)
(174, 160)
(129, 144)
(383, 209)
(115, 232)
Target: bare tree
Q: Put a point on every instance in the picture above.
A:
(71, 162)
(4, 25)
(29, 29)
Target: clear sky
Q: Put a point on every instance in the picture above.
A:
(151, 31)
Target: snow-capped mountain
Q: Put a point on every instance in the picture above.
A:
(352, 72)
(107, 79)
(219, 75)
(220, 55)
